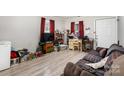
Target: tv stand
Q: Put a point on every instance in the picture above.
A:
(48, 47)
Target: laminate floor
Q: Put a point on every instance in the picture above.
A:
(51, 64)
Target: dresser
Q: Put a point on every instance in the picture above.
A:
(75, 44)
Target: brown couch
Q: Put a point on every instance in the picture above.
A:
(117, 68)
(94, 56)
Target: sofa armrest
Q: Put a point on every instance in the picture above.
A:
(72, 70)
(98, 49)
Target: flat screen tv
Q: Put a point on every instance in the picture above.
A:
(47, 37)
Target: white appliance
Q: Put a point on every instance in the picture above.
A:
(5, 49)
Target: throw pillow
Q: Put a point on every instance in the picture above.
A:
(103, 52)
(99, 64)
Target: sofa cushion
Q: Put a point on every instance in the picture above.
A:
(92, 58)
(94, 52)
(103, 52)
(86, 73)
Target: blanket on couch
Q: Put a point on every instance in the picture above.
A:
(113, 52)
(113, 48)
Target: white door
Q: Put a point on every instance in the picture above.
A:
(106, 32)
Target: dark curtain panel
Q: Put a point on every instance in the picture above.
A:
(72, 27)
(81, 29)
(42, 28)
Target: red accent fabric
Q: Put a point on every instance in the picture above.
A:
(81, 29)
(72, 27)
(13, 54)
(42, 27)
(52, 26)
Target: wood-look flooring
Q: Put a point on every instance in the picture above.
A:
(51, 64)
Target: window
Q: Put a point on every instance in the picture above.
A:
(47, 26)
(76, 28)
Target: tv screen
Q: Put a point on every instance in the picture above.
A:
(47, 37)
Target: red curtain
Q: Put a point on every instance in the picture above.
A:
(42, 27)
(72, 27)
(81, 29)
(52, 26)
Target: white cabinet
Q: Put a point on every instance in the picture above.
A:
(5, 49)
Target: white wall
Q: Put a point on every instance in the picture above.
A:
(59, 22)
(121, 30)
(88, 22)
(24, 31)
